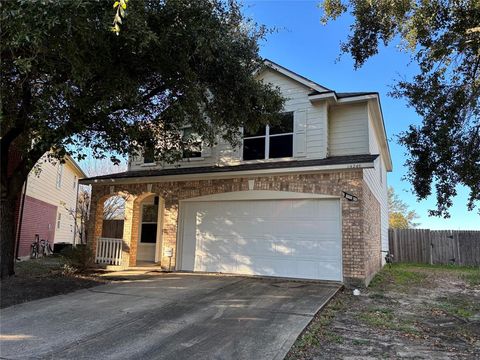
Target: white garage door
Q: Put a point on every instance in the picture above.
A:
(287, 238)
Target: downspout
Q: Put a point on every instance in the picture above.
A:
(20, 219)
(75, 214)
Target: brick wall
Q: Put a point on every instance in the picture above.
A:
(355, 215)
(372, 233)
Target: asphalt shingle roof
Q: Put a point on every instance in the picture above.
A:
(334, 160)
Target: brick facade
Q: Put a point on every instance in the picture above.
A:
(360, 219)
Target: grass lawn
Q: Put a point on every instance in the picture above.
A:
(40, 278)
(409, 311)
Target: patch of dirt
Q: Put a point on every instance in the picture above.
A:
(432, 314)
(41, 278)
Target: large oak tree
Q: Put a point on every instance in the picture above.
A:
(443, 38)
(69, 83)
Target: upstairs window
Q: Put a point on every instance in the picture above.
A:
(270, 142)
(148, 154)
(194, 149)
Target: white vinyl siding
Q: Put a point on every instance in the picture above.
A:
(376, 180)
(59, 175)
(311, 129)
(348, 130)
(297, 101)
(44, 187)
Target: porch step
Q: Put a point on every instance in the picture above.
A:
(108, 267)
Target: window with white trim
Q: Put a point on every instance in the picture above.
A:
(270, 142)
(194, 149)
(59, 176)
(149, 223)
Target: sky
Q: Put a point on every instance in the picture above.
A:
(302, 44)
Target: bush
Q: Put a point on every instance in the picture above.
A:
(79, 258)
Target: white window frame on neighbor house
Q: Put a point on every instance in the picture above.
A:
(59, 176)
(267, 137)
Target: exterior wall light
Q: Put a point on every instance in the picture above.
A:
(349, 197)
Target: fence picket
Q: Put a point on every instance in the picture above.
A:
(435, 247)
(109, 251)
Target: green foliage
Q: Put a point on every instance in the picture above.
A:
(399, 216)
(472, 277)
(79, 258)
(459, 305)
(385, 318)
(318, 329)
(69, 83)
(400, 276)
(443, 38)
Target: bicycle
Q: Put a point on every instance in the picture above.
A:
(46, 247)
(40, 248)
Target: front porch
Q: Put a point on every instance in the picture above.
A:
(141, 243)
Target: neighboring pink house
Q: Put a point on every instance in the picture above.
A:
(46, 206)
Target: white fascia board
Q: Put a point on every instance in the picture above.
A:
(326, 96)
(232, 174)
(296, 77)
(358, 98)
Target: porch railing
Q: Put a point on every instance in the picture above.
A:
(109, 251)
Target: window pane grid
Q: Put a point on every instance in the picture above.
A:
(282, 134)
(253, 137)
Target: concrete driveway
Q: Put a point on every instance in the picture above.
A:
(170, 316)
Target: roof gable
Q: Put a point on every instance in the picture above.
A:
(305, 82)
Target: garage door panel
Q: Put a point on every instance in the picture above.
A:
(272, 227)
(287, 238)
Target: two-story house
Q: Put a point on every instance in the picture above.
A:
(303, 199)
(47, 205)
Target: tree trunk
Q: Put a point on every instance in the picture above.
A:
(7, 235)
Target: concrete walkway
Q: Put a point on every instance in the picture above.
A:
(168, 316)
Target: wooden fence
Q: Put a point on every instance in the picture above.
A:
(112, 229)
(435, 247)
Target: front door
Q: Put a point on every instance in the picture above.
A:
(148, 231)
